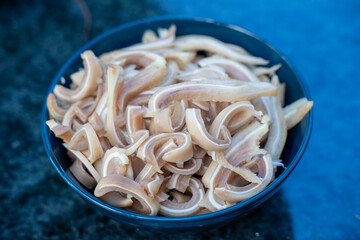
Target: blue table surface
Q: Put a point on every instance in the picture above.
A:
(321, 198)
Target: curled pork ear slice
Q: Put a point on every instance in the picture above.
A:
(206, 43)
(169, 119)
(266, 71)
(190, 167)
(196, 128)
(181, 153)
(149, 36)
(204, 73)
(116, 162)
(170, 77)
(278, 131)
(117, 199)
(210, 178)
(89, 83)
(204, 165)
(115, 80)
(234, 194)
(178, 182)
(215, 108)
(89, 167)
(296, 111)
(60, 131)
(82, 175)
(97, 124)
(224, 91)
(134, 120)
(70, 116)
(176, 209)
(246, 143)
(152, 185)
(233, 69)
(149, 170)
(156, 43)
(277, 134)
(153, 74)
(142, 98)
(234, 117)
(124, 185)
(244, 172)
(55, 111)
(86, 140)
(83, 112)
(182, 58)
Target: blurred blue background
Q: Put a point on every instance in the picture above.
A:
(320, 200)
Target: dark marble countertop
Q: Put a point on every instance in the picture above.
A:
(320, 200)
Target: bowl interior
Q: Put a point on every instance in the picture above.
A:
(131, 33)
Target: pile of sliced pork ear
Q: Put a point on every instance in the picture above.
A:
(175, 126)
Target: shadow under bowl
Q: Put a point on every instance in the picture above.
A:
(131, 33)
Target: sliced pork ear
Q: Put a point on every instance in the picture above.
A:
(244, 172)
(296, 111)
(142, 98)
(176, 209)
(206, 161)
(134, 120)
(281, 94)
(86, 140)
(89, 83)
(97, 124)
(60, 131)
(181, 153)
(178, 127)
(76, 77)
(115, 80)
(124, 185)
(117, 199)
(182, 58)
(152, 185)
(215, 108)
(204, 73)
(149, 36)
(169, 119)
(246, 143)
(259, 71)
(190, 167)
(234, 194)
(178, 182)
(72, 114)
(224, 91)
(153, 43)
(172, 71)
(234, 117)
(152, 74)
(278, 130)
(149, 170)
(55, 111)
(82, 175)
(210, 179)
(115, 162)
(206, 43)
(234, 69)
(196, 128)
(83, 112)
(85, 161)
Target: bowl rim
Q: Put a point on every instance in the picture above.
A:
(136, 216)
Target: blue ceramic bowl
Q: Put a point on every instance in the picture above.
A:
(131, 33)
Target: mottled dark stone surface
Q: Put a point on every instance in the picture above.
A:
(320, 200)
